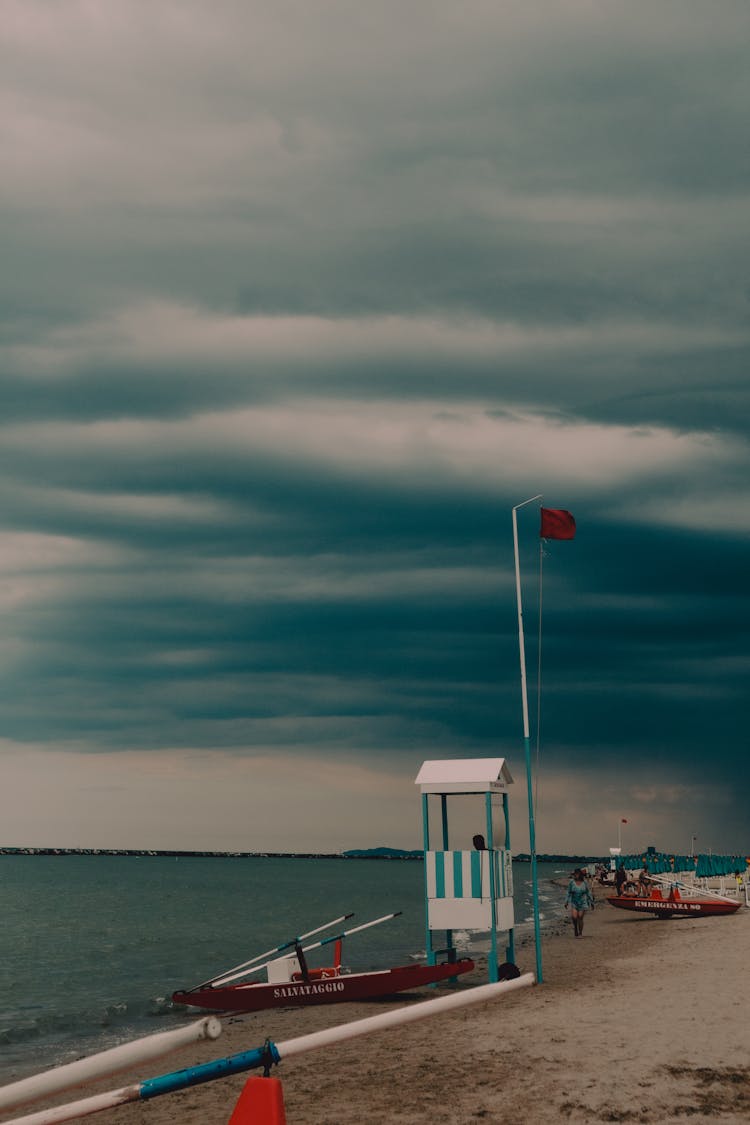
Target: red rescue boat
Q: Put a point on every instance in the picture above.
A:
(290, 982)
(674, 905)
(324, 986)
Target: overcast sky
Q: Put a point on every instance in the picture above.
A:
(298, 299)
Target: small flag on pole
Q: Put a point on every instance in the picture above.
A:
(624, 821)
(557, 524)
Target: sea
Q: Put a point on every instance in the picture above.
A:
(93, 946)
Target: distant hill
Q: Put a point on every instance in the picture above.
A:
(545, 857)
(401, 853)
(382, 853)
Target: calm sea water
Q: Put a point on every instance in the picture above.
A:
(92, 947)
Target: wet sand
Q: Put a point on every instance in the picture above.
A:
(639, 1020)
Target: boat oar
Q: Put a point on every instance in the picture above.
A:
(353, 930)
(667, 882)
(269, 1053)
(218, 982)
(224, 977)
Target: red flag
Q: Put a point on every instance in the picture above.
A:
(624, 821)
(557, 524)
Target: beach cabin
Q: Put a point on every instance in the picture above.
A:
(467, 888)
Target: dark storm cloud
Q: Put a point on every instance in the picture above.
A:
(298, 301)
(490, 162)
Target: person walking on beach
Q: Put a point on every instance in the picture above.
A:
(579, 899)
(620, 878)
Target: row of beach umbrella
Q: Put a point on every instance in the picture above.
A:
(704, 866)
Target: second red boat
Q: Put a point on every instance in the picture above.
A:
(673, 906)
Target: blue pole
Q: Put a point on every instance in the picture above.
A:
(532, 850)
(207, 1072)
(444, 821)
(431, 959)
(510, 952)
(493, 890)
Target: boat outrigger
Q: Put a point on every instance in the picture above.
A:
(290, 982)
(674, 904)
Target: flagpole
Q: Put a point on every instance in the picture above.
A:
(527, 743)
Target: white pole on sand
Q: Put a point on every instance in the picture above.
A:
(401, 1016)
(247, 1060)
(106, 1062)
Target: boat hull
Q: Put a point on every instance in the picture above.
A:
(673, 908)
(334, 989)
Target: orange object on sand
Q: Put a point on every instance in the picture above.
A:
(260, 1103)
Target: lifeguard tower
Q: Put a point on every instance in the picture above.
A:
(467, 889)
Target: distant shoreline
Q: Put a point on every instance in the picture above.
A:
(375, 853)
(175, 853)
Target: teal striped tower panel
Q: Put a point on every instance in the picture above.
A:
(459, 889)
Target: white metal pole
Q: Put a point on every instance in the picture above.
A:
(521, 646)
(400, 1016)
(106, 1062)
(74, 1110)
(527, 744)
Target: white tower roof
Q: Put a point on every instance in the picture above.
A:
(464, 775)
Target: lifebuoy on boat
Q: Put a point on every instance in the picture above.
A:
(317, 974)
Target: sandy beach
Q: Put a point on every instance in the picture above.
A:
(639, 1020)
